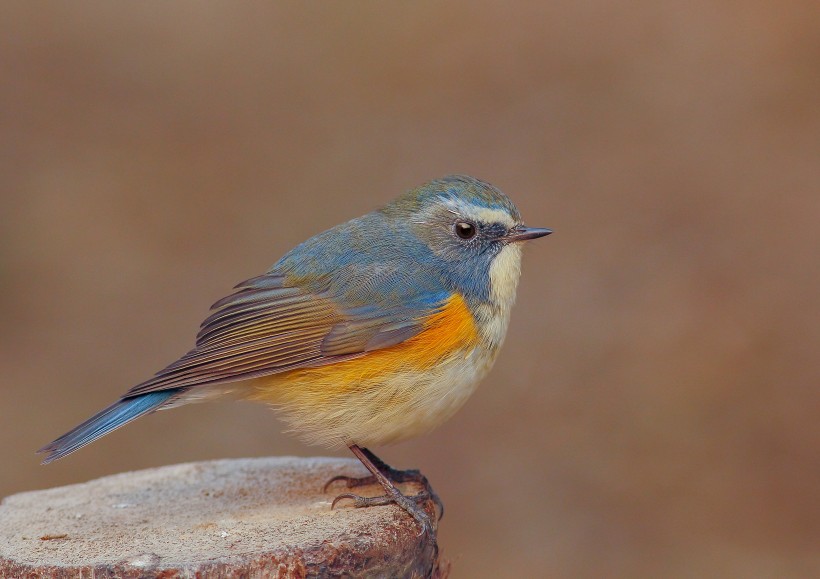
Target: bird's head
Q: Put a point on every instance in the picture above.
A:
(473, 230)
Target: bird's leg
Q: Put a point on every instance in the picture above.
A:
(392, 494)
(394, 475)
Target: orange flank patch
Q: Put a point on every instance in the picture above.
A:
(445, 333)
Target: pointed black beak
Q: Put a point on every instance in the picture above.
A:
(522, 233)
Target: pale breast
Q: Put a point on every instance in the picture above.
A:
(389, 394)
(376, 412)
(424, 401)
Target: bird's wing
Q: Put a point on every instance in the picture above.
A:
(272, 324)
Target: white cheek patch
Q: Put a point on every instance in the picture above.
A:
(504, 273)
(494, 316)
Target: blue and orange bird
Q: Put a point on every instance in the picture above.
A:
(375, 331)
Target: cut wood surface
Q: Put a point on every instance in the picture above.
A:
(265, 517)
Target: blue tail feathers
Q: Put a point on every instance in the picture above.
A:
(118, 414)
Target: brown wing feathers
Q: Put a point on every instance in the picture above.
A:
(268, 327)
(261, 329)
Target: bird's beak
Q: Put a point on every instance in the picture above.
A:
(522, 233)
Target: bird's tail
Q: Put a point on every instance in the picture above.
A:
(118, 414)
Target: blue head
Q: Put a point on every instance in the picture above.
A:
(472, 230)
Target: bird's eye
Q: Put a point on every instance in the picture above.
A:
(465, 230)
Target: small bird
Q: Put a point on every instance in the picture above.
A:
(370, 333)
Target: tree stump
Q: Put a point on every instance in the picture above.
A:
(264, 517)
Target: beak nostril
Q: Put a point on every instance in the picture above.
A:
(525, 233)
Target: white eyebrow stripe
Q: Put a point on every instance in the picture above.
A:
(486, 215)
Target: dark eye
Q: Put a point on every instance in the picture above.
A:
(465, 230)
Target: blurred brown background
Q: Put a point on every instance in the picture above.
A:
(655, 411)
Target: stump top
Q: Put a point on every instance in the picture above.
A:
(223, 518)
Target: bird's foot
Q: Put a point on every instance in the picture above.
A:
(396, 477)
(387, 477)
(394, 496)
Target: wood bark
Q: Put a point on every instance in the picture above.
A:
(264, 517)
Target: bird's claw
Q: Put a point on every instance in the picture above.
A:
(409, 503)
(396, 476)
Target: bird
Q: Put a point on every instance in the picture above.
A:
(370, 333)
